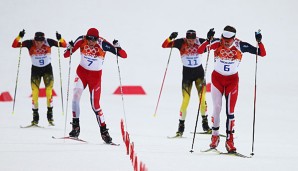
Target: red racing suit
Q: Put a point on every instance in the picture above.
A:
(225, 78)
(89, 73)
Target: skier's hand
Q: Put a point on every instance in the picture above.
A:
(173, 35)
(116, 43)
(58, 36)
(258, 36)
(70, 45)
(22, 33)
(210, 34)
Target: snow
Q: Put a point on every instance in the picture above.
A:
(141, 27)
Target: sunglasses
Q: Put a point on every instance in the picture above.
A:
(191, 35)
(91, 38)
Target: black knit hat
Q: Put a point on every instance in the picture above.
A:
(39, 36)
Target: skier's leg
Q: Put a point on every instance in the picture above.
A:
(231, 99)
(35, 82)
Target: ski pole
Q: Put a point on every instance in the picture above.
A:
(201, 94)
(163, 80)
(121, 90)
(17, 77)
(67, 95)
(255, 99)
(60, 76)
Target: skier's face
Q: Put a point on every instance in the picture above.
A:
(91, 40)
(227, 42)
(91, 43)
(190, 42)
(38, 44)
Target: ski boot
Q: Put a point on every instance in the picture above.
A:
(181, 127)
(214, 141)
(105, 134)
(35, 117)
(205, 125)
(230, 144)
(75, 132)
(50, 116)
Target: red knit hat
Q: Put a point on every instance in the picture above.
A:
(93, 32)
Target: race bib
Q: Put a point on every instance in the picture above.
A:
(191, 61)
(41, 60)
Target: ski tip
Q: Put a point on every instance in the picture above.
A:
(113, 144)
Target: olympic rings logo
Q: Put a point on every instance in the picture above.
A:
(40, 51)
(91, 50)
(228, 53)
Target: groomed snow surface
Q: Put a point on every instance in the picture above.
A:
(141, 27)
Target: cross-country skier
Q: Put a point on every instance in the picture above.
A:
(93, 50)
(227, 57)
(193, 72)
(40, 53)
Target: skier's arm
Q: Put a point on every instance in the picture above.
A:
(246, 47)
(62, 43)
(73, 46)
(213, 46)
(116, 49)
(171, 42)
(168, 43)
(16, 43)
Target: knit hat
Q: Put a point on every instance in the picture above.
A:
(93, 32)
(229, 32)
(191, 34)
(39, 36)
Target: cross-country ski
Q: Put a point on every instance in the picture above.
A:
(214, 150)
(81, 140)
(31, 126)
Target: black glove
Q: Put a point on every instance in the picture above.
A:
(258, 36)
(70, 45)
(210, 34)
(22, 33)
(173, 35)
(116, 44)
(58, 36)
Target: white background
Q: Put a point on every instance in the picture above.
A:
(141, 27)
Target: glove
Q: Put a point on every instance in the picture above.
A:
(116, 43)
(258, 36)
(210, 34)
(58, 36)
(22, 33)
(70, 45)
(173, 35)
